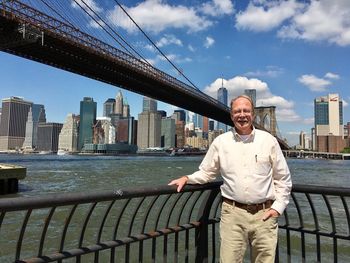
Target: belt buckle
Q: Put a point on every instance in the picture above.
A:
(252, 209)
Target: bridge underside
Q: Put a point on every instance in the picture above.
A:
(54, 50)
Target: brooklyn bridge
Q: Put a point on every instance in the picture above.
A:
(52, 39)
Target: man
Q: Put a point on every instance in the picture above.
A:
(256, 186)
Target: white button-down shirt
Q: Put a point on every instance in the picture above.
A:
(254, 170)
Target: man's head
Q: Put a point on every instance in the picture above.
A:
(242, 114)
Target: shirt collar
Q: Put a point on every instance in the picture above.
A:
(238, 137)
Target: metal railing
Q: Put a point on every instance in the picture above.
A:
(156, 224)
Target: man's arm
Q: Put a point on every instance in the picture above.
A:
(180, 182)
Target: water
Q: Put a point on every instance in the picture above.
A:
(72, 173)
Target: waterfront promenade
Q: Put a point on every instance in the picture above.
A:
(97, 181)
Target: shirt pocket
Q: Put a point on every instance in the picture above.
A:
(262, 165)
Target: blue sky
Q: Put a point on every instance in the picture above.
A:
(289, 51)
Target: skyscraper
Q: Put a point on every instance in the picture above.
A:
(87, 121)
(149, 125)
(126, 109)
(118, 107)
(108, 107)
(48, 134)
(68, 137)
(168, 129)
(149, 105)
(36, 115)
(13, 122)
(222, 97)
(251, 93)
(329, 130)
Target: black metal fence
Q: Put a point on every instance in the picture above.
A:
(156, 224)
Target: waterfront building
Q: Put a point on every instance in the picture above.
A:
(329, 123)
(205, 124)
(180, 134)
(149, 105)
(251, 93)
(118, 107)
(302, 140)
(149, 130)
(13, 122)
(126, 109)
(36, 115)
(108, 107)
(212, 135)
(162, 113)
(168, 130)
(222, 97)
(197, 142)
(68, 137)
(211, 125)
(87, 121)
(179, 115)
(48, 134)
(198, 121)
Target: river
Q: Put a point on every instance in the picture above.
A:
(76, 173)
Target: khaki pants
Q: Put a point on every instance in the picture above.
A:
(239, 229)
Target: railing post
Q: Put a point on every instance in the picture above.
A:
(201, 235)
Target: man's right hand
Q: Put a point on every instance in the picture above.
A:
(180, 182)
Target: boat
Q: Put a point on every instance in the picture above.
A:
(62, 152)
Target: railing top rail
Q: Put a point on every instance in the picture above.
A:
(62, 199)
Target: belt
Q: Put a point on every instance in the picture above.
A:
(250, 208)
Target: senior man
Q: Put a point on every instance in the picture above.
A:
(255, 190)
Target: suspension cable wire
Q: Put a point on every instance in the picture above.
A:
(122, 39)
(150, 40)
(57, 13)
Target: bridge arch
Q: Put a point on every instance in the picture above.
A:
(266, 117)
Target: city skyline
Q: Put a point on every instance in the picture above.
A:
(289, 57)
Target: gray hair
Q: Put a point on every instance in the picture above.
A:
(245, 97)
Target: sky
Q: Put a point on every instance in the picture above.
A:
(289, 51)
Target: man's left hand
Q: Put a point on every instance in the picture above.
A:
(270, 213)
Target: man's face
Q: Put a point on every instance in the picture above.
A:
(242, 116)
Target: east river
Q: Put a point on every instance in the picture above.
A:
(76, 173)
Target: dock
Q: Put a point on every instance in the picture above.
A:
(9, 176)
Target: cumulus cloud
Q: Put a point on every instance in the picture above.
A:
(324, 20)
(269, 71)
(314, 83)
(156, 16)
(266, 15)
(236, 86)
(217, 8)
(91, 3)
(168, 40)
(191, 48)
(345, 104)
(330, 75)
(174, 58)
(209, 41)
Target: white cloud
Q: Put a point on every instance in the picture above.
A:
(217, 7)
(209, 41)
(330, 75)
(314, 83)
(285, 109)
(270, 71)
(266, 15)
(345, 104)
(191, 48)
(168, 40)
(324, 20)
(91, 3)
(174, 58)
(309, 121)
(156, 16)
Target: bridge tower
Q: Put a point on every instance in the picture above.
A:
(266, 117)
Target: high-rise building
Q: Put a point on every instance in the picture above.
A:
(36, 115)
(108, 107)
(68, 137)
(180, 134)
(329, 129)
(48, 134)
(251, 93)
(87, 121)
(222, 97)
(205, 124)
(118, 107)
(149, 130)
(180, 115)
(168, 130)
(126, 109)
(211, 125)
(302, 140)
(13, 122)
(149, 105)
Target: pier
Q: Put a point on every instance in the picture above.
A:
(9, 176)
(315, 155)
